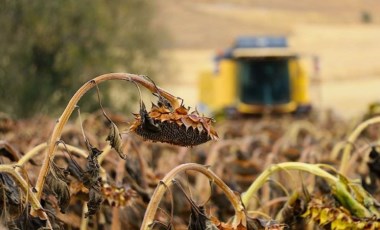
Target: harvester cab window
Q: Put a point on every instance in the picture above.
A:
(264, 81)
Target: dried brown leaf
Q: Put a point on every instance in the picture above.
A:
(91, 180)
(91, 177)
(95, 200)
(10, 196)
(114, 136)
(8, 151)
(146, 121)
(115, 140)
(56, 184)
(198, 219)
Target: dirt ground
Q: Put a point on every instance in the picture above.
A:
(348, 48)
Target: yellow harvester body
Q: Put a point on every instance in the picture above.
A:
(253, 80)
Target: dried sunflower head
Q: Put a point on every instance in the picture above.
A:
(176, 126)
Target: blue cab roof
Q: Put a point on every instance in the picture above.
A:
(260, 42)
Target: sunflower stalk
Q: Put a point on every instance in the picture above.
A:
(340, 188)
(167, 181)
(57, 132)
(37, 149)
(351, 139)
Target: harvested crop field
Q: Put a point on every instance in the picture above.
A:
(314, 172)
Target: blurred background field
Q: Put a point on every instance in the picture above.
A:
(338, 32)
(173, 41)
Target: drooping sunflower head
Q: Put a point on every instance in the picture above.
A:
(170, 121)
(175, 126)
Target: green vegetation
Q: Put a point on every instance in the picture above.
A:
(49, 47)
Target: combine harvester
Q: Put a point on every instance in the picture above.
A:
(257, 75)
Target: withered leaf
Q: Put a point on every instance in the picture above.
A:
(162, 102)
(95, 200)
(374, 161)
(369, 182)
(90, 176)
(94, 152)
(146, 121)
(56, 183)
(114, 138)
(198, 219)
(8, 151)
(10, 196)
(91, 180)
(26, 221)
(292, 211)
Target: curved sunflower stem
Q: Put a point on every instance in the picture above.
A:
(265, 175)
(83, 153)
(56, 135)
(37, 149)
(351, 139)
(337, 149)
(297, 127)
(167, 181)
(339, 186)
